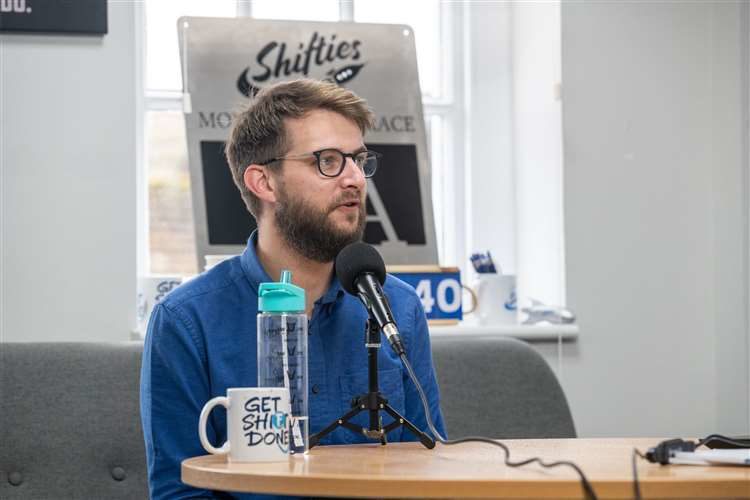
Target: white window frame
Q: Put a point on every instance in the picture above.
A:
(453, 152)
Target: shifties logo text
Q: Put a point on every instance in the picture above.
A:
(276, 60)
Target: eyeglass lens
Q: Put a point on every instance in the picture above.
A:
(332, 162)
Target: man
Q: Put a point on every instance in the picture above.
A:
(299, 160)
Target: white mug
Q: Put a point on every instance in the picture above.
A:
(496, 299)
(258, 424)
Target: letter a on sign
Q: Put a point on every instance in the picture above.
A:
(381, 216)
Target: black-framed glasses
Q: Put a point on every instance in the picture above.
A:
(331, 162)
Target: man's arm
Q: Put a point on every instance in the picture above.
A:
(174, 387)
(419, 353)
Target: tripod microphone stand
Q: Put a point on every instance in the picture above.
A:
(372, 402)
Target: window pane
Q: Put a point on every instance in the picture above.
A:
(435, 140)
(424, 18)
(302, 10)
(162, 53)
(170, 209)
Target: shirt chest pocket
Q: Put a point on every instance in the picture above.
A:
(391, 387)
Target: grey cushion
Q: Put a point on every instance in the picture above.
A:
(70, 421)
(499, 388)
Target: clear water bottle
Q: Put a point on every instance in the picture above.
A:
(282, 351)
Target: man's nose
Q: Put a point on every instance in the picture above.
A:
(352, 174)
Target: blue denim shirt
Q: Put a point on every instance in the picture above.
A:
(201, 340)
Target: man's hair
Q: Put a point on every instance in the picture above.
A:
(258, 133)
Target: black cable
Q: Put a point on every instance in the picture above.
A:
(723, 439)
(636, 486)
(587, 488)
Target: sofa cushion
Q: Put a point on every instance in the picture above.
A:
(70, 418)
(498, 387)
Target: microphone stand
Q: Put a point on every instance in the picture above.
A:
(373, 402)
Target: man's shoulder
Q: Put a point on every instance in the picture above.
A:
(398, 285)
(396, 288)
(217, 281)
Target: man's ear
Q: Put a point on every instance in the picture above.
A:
(259, 181)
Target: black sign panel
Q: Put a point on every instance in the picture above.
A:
(229, 222)
(54, 16)
(397, 182)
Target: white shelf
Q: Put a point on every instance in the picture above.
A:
(524, 332)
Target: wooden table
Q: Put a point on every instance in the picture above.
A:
(474, 470)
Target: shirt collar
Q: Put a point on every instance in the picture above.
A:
(256, 274)
(334, 292)
(251, 265)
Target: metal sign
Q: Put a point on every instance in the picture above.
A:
(225, 61)
(54, 16)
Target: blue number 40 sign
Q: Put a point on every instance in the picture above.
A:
(439, 288)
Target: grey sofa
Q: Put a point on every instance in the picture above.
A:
(70, 421)
(500, 388)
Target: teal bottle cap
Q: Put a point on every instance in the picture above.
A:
(282, 296)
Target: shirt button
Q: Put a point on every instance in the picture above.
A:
(118, 473)
(15, 478)
(315, 389)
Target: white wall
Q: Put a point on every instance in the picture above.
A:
(69, 184)
(655, 139)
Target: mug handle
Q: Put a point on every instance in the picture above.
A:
(474, 299)
(223, 401)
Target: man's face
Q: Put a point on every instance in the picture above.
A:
(318, 215)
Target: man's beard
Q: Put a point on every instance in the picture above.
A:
(310, 231)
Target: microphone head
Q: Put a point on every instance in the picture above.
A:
(356, 259)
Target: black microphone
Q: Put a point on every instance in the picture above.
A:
(361, 271)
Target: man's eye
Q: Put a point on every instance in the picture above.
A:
(328, 160)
